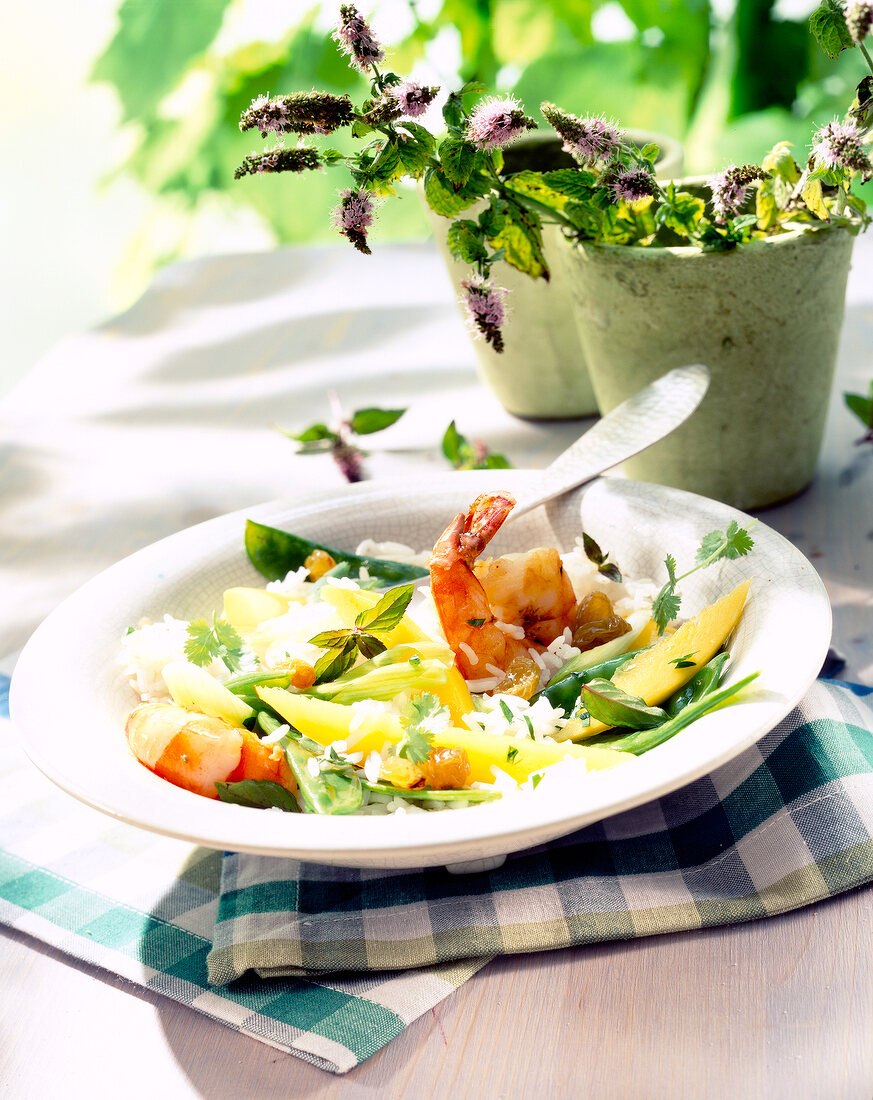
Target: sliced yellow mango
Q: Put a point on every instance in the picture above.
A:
(327, 722)
(244, 608)
(652, 675)
(649, 635)
(350, 602)
(485, 751)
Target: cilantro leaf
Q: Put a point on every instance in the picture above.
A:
(206, 642)
(733, 542)
(665, 608)
(425, 715)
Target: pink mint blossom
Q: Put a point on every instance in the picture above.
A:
(412, 99)
(497, 122)
(356, 40)
(353, 217)
(730, 187)
(588, 139)
(631, 185)
(838, 145)
(859, 19)
(486, 311)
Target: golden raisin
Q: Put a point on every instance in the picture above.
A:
(301, 674)
(522, 678)
(318, 563)
(447, 769)
(399, 772)
(596, 622)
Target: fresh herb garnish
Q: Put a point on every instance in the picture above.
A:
(261, 794)
(465, 455)
(475, 622)
(684, 662)
(511, 754)
(507, 711)
(343, 646)
(205, 643)
(425, 714)
(733, 542)
(337, 439)
(862, 407)
(594, 554)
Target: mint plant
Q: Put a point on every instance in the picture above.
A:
(609, 194)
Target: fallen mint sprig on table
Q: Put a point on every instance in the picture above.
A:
(465, 455)
(862, 407)
(733, 542)
(338, 438)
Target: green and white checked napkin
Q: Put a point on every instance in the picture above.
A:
(330, 965)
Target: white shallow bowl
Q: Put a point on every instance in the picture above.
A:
(69, 700)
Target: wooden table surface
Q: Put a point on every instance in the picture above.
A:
(776, 1008)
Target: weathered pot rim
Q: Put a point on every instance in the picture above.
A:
(647, 253)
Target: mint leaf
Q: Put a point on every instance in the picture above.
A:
(388, 611)
(336, 661)
(828, 26)
(367, 421)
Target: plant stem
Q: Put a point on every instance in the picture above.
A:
(867, 56)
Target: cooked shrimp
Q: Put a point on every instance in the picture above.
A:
(477, 601)
(196, 751)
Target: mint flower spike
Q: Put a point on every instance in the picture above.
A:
(839, 145)
(353, 217)
(301, 158)
(301, 112)
(412, 99)
(859, 20)
(730, 187)
(356, 40)
(497, 122)
(630, 185)
(486, 312)
(588, 139)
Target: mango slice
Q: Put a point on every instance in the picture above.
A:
(350, 602)
(244, 608)
(326, 722)
(653, 677)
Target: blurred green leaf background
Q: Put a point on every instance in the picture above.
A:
(728, 80)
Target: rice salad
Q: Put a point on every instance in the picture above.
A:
(347, 684)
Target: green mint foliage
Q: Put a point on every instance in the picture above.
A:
(416, 744)
(367, 421)
(464, 455)
(733, 542)
(828, 26)
(596, 555)
(862, 407)
(206, 642)
(346, 644)
(260, 794)
(388, 612)
(511, 754)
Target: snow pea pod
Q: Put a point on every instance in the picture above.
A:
(565, 693)
(274, 552)
(700, 684)
(332, 791)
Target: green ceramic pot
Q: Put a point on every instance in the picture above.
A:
(541, 372)
(765, 318)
